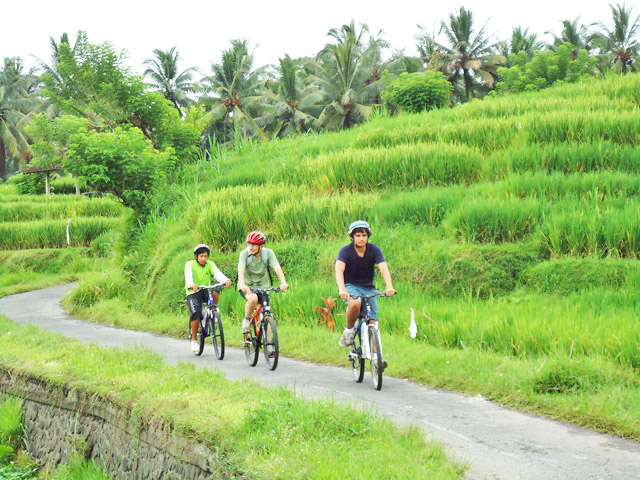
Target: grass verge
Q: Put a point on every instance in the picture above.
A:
(259, 432)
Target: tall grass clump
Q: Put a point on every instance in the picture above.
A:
(557, 186)
(10, 423)
(569, 275)
(426, 206)
(484, 134)
(56, 209)
(494, 221)
(562, 127)
(592, 231)
(415, 165)
(593, 155)
(321, 217)
(53, 233)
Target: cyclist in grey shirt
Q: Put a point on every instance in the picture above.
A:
(253, 272)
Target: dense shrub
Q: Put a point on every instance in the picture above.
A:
(416, 92)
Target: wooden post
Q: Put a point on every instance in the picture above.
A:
(47, 184)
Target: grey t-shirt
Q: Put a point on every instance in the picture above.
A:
(256, 274)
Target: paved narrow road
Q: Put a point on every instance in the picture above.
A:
(496, 442)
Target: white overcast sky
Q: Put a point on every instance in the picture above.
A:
(202, 29)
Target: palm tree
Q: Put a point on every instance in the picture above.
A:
(521, 41)
(17, 101)
(81, 39)
(345, 73)
(237, 89)
(470, 58)
(163, 72)
(576, 34)
(619, 43)
(295, 107)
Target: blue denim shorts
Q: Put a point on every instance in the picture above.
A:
(358, 290)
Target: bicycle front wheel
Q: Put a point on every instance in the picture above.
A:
(270, 342)
(217, 335)
(252, 347)
(376, 357)
(357, 362)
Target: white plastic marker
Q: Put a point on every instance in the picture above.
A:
(68, 239)
(413, 328)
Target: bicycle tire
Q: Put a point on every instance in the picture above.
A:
(270, 342)
(252, 347)
(376, 357)
(217, 335)
(357, 363)
(201, 335)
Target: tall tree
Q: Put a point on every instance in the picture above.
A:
(237, 89)
(520, 41)
(163, 72)
(17, 102)
(619, 44)
(574, 33)
(294, 105)
(344, 72)
(471, 57)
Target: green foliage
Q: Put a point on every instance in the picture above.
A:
(10, 426)
(568, 275)
(417, 92)
(29, 184)
(51, 137)
(544, 69)
(122, 162)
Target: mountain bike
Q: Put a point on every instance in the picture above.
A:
(367, 344)
(211, 323)
(262, 332)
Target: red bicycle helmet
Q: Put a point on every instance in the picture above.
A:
(257, 238)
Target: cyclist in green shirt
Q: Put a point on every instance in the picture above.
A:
(199, 272)
(253, 272)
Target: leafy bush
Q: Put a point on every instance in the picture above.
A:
(544, 69)
(122, 162)
(417, 92)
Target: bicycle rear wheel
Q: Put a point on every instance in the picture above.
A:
(357, 362)
(376, 357)
(217, 335)
(252, 346)
(270, 342)
(201, 335)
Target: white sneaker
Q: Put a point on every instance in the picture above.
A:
(195, 346)
(347, 338)
(246, 324)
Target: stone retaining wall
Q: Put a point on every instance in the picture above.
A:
(57, 419)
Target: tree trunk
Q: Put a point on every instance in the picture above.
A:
(3, 162)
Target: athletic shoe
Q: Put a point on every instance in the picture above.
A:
(195, 346)
(347, 338)
(246, 324)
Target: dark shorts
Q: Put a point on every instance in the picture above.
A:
(244, 295)
(194, 302)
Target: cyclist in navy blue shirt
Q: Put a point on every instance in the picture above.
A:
(355, 269)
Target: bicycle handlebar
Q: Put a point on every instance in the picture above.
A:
(217, 286)
(378, 294)
(265, 290)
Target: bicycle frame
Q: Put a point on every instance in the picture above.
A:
(211, 307)
(364, 319)
(263, 308)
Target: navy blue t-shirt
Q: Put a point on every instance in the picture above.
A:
(360, 270)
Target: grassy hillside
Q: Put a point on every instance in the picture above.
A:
(511, 227)
(33, 237)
